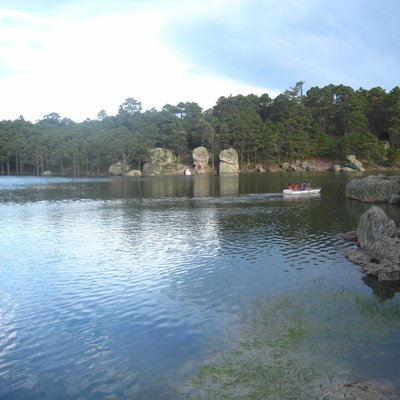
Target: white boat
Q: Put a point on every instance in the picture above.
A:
(302, 192)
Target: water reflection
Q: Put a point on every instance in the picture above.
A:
(229, 184)
(382, 290)
(201, 186)
(106, 284)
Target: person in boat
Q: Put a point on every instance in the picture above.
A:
(290, 186)
(304, 186)
(296, 186)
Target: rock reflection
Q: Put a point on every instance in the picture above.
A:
(382, 290)
(201, 186)
(229, 185)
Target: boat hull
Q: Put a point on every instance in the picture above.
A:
(301, 192)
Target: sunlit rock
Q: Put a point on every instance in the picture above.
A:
(200, 160)
(229, 163)
(47, 173)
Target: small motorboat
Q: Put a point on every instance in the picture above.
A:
(302, 192)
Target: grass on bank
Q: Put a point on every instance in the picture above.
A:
(295, 346)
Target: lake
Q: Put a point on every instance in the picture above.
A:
(148, 288)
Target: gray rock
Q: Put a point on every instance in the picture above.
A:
(118, 169)
(373, 188)
(395, 199)
(200, 160)
(161, 161)
(47, 173)
(350, 236)
(378, 251)
(228, 162)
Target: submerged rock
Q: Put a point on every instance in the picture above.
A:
(374, 188)
(378, 251)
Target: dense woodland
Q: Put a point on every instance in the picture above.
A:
(327, 122)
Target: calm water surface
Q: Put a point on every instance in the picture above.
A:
(112, 288)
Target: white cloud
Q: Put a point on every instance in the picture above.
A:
(78, 66)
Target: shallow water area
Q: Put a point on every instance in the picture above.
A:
(119, 287)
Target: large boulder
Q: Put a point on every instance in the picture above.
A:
(161, 161)
(228, 162)
(378, 250)
(118, 169)
(374, 188)
(200, 160)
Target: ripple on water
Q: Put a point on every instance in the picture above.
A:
(106, 295)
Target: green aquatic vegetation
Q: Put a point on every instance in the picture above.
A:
(292, 346)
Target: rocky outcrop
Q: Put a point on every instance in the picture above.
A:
(351, 165)
(161, 161)
(118, 169)
(200, 160)
(374, 189)
(47, 173)
(228, 162)
(378, 251)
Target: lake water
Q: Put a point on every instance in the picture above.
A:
(114, 288)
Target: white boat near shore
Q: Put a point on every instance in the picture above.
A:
(301, 192)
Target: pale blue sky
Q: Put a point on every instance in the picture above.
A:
(78, 57)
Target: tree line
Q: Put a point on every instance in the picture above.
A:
(328, 122)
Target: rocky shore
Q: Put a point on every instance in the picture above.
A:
(360, 391)
(162, 161)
